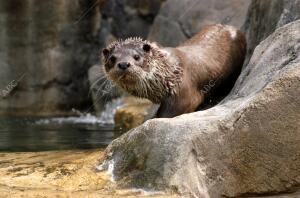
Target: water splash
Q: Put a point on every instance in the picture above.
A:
(108, 166)
(144, 192)
(110, 170)
(106, 117)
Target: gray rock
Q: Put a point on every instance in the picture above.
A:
(179, 20)
(265, 16)
(53, 44)
(130, 17)
(249, 145)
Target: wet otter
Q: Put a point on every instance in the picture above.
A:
(181, 78)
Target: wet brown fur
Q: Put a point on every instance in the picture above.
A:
(205, 63)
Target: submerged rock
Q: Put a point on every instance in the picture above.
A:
(248, 145)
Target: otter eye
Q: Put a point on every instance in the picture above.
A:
(136, 57)
(112, 59)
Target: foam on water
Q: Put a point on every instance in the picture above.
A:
(146, 192)
(110, 170)
(108, 167)
(106, 117)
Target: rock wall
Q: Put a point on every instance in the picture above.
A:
(130, 17)
(266, 16)
(246, 146)
(47, 47)
(179, 20)
(48, 43)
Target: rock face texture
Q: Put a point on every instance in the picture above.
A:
(179, 20)
(52, 47)
(248, 145)
(130, 17)
(266, 16)
(47, 48)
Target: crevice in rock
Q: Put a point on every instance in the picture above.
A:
(185, 31)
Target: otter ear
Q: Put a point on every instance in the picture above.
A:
(105, 52)
(146, 47)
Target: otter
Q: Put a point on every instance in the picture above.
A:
(180, 79)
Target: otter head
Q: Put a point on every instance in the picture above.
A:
(139, 67)
(126, 62)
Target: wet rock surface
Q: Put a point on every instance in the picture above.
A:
(134, 112)
(247, 146)
(58, 174)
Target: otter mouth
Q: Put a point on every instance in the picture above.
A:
(127, 79)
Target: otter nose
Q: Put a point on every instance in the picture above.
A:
(123, 65)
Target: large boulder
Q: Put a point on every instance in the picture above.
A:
(248, 145)
(179, 20)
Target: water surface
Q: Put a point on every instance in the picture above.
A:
(66, 133)
(32, 134)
